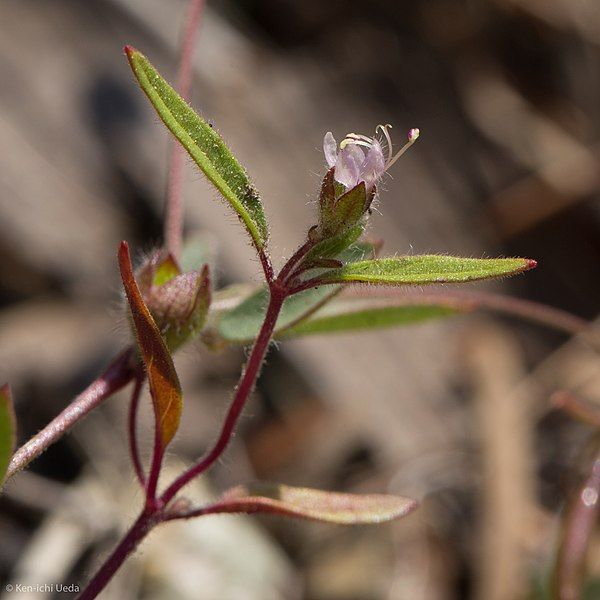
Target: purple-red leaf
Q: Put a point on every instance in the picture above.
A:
(162, 377)
(316, 505)
(7, 430)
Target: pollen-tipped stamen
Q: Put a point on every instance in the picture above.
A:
(413, 135)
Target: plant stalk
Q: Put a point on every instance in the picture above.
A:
(245, 387)
(139, 530)
(133, 439)
(118, 374)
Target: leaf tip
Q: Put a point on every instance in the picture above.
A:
(530, 264)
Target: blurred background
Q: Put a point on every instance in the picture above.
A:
(456, 413)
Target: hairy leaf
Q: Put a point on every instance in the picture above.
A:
(333, 246)
(7, 430)
(204, 145)
(346, 211)
(316, 505)
(164, 384)
(351, 314)
(426, 269)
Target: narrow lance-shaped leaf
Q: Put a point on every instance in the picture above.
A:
(352, 314)
(7, 430)
(164, 384)
(426, 269)
(315, 505)
(204, 145)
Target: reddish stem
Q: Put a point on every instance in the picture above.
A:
(139, 530)
(116, 376)
(133, 440)
(154, 511)
(266, 265)
(155, 467)
(243, 391)
(174, 209)
(294, 260)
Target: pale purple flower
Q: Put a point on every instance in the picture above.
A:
(361, 158)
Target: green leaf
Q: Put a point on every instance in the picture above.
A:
(426, 269)
(346, 211)
(204, 145)
(198, 250)
(315, 505)
(333, 246)
(243, 323)
(352, 314)
(165, 388)
(7, 430)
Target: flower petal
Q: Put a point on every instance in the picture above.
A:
(330, 149)
(373, 166)
(347, 169)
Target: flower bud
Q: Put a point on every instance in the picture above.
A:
(178, 301)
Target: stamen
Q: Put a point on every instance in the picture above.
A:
(350, 140)
(384, 129)
(413, 135)
(359, 136)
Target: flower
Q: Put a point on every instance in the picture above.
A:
(352, 164)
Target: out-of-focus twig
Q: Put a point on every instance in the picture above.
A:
(578, 408)
(504, 428)
(174, 206)
(543, 314)
(580, 520)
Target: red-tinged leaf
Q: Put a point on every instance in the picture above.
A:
(315, 505)
(162, 377)
(7, 430)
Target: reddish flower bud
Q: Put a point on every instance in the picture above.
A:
(178, 301)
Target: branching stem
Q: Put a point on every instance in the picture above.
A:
(245, 387)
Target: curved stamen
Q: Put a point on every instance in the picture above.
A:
(413, 134)
(356, 142)
(386, 133)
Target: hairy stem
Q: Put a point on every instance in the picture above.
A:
(117, 375)
(294, 260)
(245, 387)
(174, 208)
(133, 440)
(139, 530)
(265, 262)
